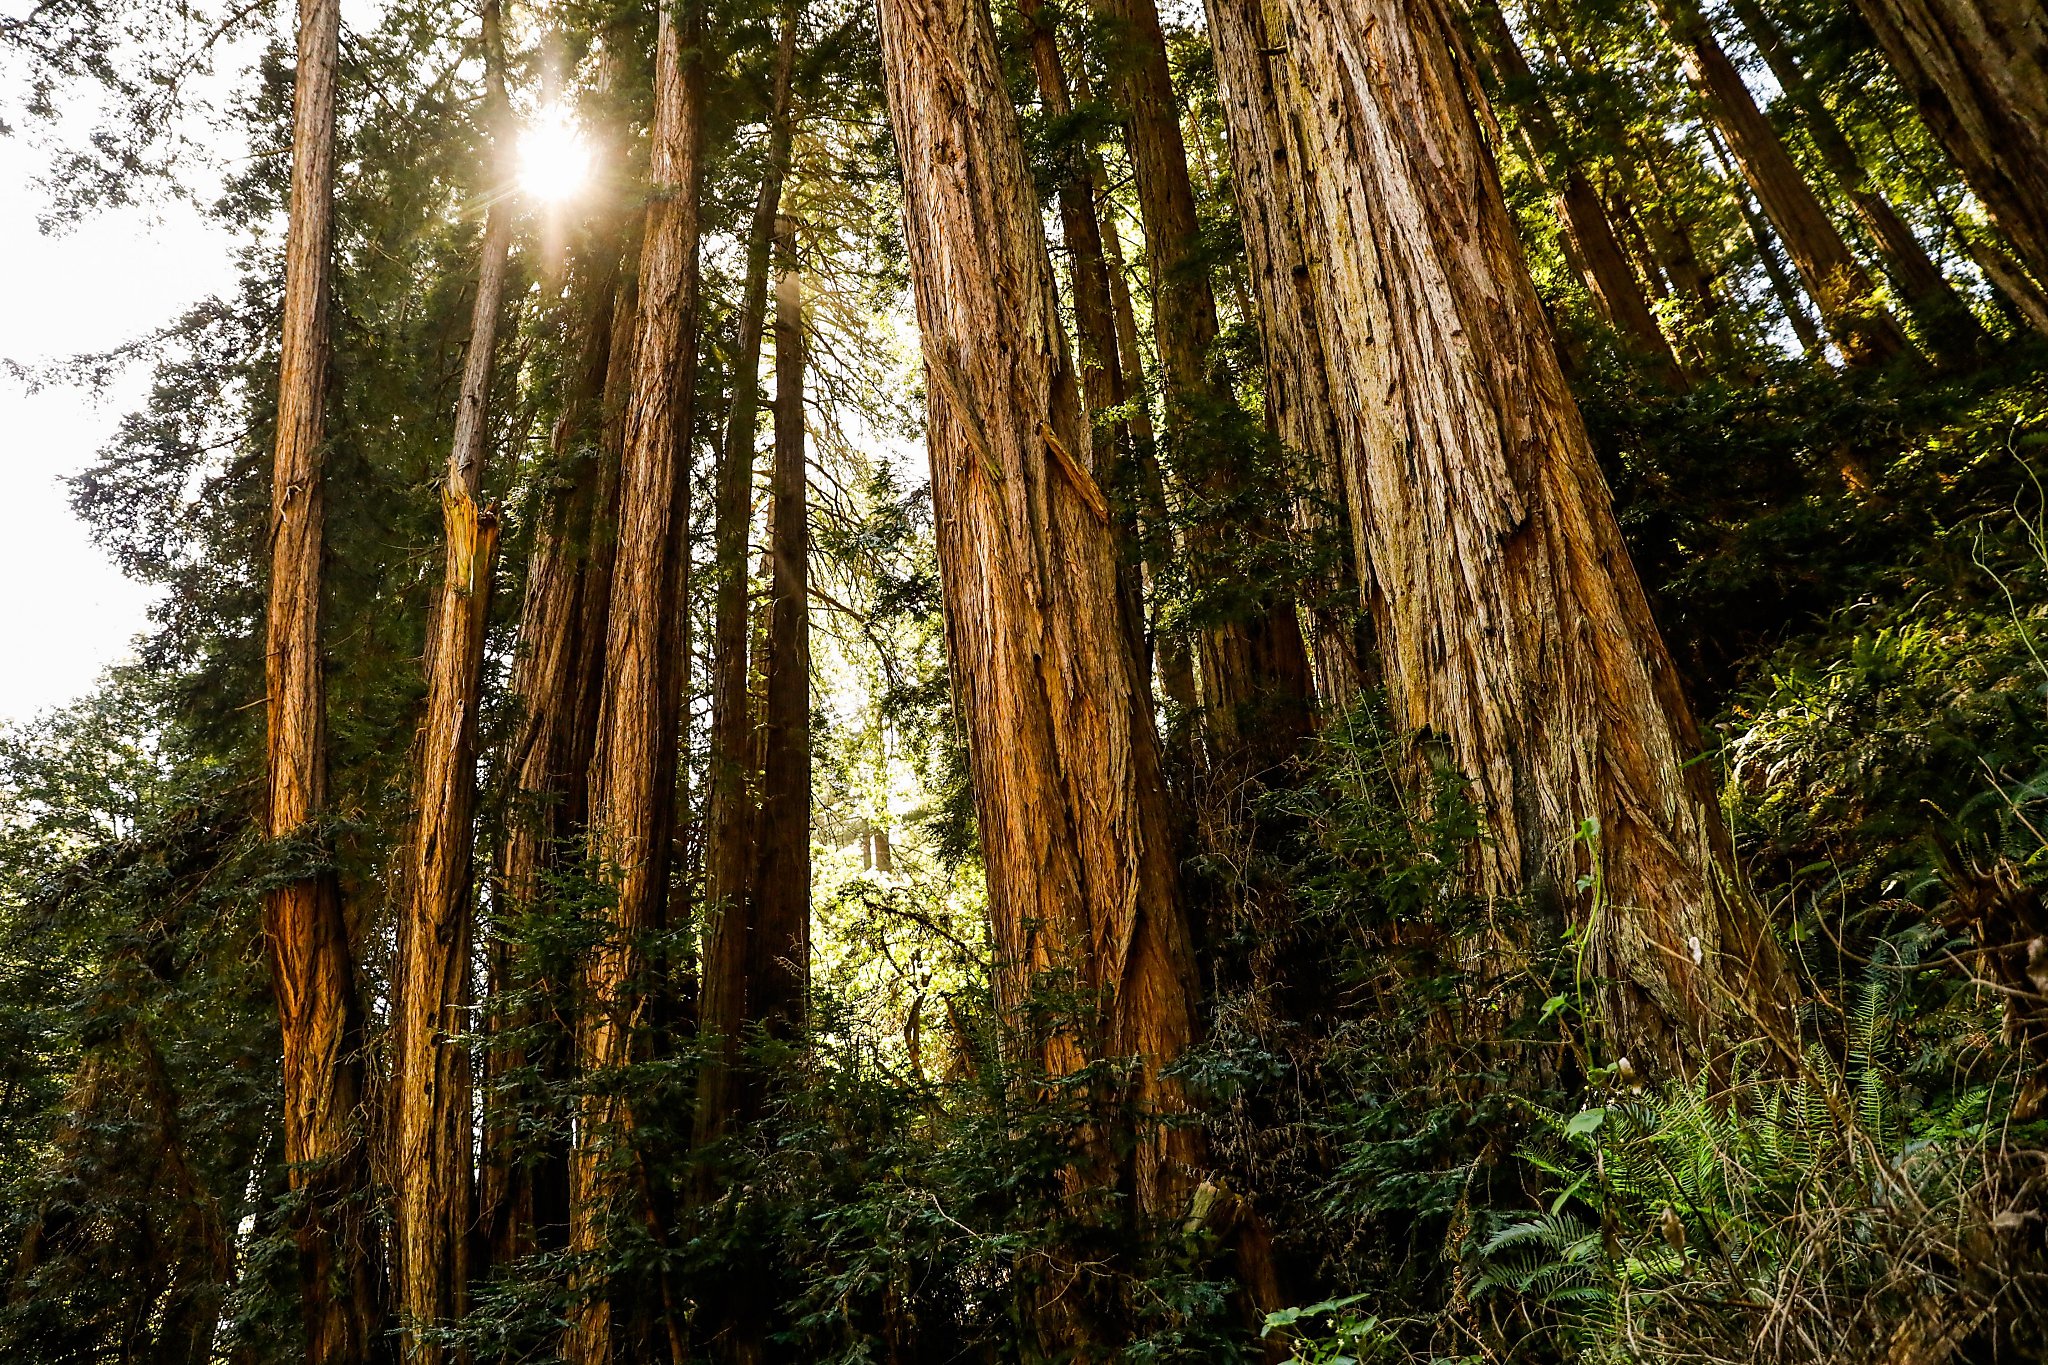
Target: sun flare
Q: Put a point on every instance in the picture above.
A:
(554, 160)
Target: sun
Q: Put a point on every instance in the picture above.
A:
(554, 160)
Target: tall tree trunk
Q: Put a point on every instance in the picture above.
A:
(1978, 70)
(1949, 325)
(1849, 308)
(1602, 262)
(633, 769)
(557, 676)
(1516, 638)
(312, 963)
(732, 807)
(1254, 666)
(778, 976)
(1074, 831)
(430, 981)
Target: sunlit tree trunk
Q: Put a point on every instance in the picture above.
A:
(1516, 639)
(633, 769)
(1272, 209)
(1074, 834)
(312, 963)
(1945, 318)
(1791, 299)
(430, 979)
(1978, 70)
(1849, 307)
(733, 810)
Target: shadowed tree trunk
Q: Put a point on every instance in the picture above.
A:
(557, 675)
(430, 981)
(1081, 876)
(733, 805)
(1272, 208)
(1978, 70)
(633, 769)
(312, 964)
(1517, 642)
(1791, 300)
(779, 965)
(1849, 308)
(1254, 667)
(1945, 318)
(1602, 263)
(1103, 386)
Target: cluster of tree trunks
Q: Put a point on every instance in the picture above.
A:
(1408, 364)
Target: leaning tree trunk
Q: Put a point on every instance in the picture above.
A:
(1074, 832)
(732, 809)
(1978, 70)
(1946, 320)
(312, 964)
(1517, 641)
(1602, 262)
(1849, 307)
(633, 770)
(1254, 667)
(430, 1083)
(779, 956)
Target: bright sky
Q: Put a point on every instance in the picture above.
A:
(67, 612)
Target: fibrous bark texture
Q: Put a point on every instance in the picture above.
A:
(430, 980)
(1274, 210)
(312, 963)
(1516, 639)
(1978, 70)
(1074, 833)
(1849, 308)
(633, 771)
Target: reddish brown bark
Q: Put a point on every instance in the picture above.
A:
(1849, 307)
(1254, 666)
(779, 951)
(430, 980)
(633, 769)
(1074, 834)
(312, 962)
(1516, 638)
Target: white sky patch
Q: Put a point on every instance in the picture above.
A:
(67, 612)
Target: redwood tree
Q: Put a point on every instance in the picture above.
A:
(430, 981)
(1081, 876)
(312, 962)
(1517, 643)
(633, 770)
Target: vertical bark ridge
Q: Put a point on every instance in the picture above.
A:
(1082, 883)
(306, 933)
(1515, 634)
(633, 768)
(431, 989)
